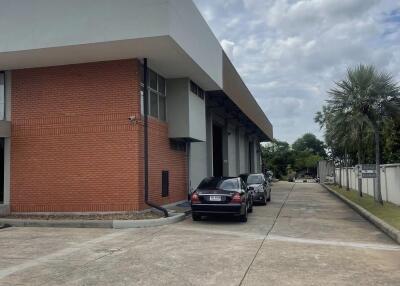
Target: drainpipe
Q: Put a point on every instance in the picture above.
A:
(146, 143)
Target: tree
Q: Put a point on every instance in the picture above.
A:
(277, 156)
(309, 142)
(368, 97)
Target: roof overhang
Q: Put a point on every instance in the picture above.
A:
(172, 34)
(237, 91)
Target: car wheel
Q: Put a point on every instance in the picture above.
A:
(243, 217)
(269, 197)
(196, 217)
(264, 203)
(251, 208)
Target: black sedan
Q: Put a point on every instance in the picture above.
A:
(260, 188)
(221, 195)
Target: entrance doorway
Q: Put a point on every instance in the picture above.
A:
(217, 151)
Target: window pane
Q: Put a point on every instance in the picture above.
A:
(193, 87)
(163, 114)
(141, 100)
(161, 84)
(153, 104)
(153, 80)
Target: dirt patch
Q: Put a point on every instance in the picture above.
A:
(127, 216)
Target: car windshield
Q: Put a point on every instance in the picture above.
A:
(255, 179)
(219, 183)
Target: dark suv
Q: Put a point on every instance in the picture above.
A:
(259, 187)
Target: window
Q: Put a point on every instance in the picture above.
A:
(215, 183)
(194, 88)
(177, 145)
(162, 108)
(255, 179)
(156, 94)
(153, 104)
(2, 94)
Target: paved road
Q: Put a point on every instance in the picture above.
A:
(305, 236)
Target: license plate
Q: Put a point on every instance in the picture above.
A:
(215, 198)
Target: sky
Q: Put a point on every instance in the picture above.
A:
(290, 52)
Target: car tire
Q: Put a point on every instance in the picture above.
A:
(269, 197)
(251, 208)
(243, 217)
(264, 203)
(196, 217)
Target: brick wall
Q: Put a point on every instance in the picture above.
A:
(72, 146)
(163, 158)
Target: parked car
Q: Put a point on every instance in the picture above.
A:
(260, 187)
(221, 195)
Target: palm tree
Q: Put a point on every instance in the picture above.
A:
(340, 134)
(371, 97)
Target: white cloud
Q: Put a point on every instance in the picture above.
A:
(289, 52)
(228, 47)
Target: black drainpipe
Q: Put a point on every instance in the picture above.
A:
(146, 143)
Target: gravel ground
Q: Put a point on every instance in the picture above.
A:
(127, 216)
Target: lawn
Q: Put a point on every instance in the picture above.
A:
(389, 212)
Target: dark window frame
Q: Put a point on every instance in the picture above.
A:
(197, 90)
(160, 93)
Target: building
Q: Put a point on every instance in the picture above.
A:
(71, 100)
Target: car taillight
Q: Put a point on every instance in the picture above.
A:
(195, 198)
(236, 198)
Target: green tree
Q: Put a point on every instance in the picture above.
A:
(277, 156)
(363, 96)
(310, 143)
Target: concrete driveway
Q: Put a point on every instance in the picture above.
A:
(305, 236)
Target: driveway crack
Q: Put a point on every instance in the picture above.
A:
(267, 234)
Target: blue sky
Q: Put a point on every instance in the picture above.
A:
(290, 52)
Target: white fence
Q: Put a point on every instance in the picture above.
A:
(390, 182)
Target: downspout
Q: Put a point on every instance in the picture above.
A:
(146, 142)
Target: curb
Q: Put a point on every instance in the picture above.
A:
(173, 218)
(57, 223)
(389, 230)
(117, 224)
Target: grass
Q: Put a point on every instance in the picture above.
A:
(387, 212)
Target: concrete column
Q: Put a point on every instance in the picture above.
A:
(233, 171)
(225, 149)
(209, 141)
(237, 138)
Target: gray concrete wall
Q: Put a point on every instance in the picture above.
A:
(242, 152)
(198, 163)
(186, 112)
(390, 182)
(197, 117)
(325, 170)
(209, 143)
(178, 107)
(232, 151)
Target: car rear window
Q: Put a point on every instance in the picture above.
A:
(218, 183)
(255, 179)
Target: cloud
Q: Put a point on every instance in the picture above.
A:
(228, 47)
(289, 52)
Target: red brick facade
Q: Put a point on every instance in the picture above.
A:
(73, 148)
